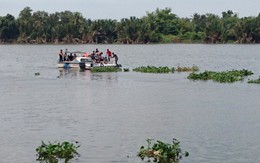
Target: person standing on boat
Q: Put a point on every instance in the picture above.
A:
(75, 56)
(116, 57)
(61, 55)
(109, 54)
(92, 55)
(70, 57)
(86, 54)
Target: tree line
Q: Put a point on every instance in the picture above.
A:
(160, 26)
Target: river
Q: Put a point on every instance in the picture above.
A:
(112, 114)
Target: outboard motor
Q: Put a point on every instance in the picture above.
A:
(82, 65)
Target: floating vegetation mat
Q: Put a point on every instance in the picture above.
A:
(126, 69)
(37, 74)
(162, 152)
(165, 69)
(222, 77)
(105, 69)
(256, 81)
(153, 69)
(53, 152)
(187, 69)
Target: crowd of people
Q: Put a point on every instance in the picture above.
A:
(66, 57)
(97, 56)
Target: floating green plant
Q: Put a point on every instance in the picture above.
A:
(186, 69)
(222, 77)
(52, 153)
(126, 69)
(162, 152)
(37, 74)
(153, 69)
(105, 69)
(207, 75)
(256, 81)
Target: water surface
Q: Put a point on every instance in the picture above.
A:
(112, 114)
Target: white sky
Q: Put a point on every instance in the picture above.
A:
(117, 9)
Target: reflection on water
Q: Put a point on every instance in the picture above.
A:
(112, 114)
(104, 76)
(73, 73)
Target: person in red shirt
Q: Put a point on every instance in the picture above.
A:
(86, 54)
(109, 54)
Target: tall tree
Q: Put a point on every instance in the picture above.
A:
(25, 24)
(40, 26)
(8, 28)
(213, 29)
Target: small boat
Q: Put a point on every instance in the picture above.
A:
(86, 62)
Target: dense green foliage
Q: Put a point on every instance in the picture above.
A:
(256, 81)
(222, 77)
(153, 69)
(52, 153)
(160, 26)
(105, 69)
(162, 152)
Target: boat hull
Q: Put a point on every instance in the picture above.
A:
(67, 65)
(87, 66)
(85, 63)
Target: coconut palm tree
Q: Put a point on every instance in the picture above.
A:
(40, 26)
(25, 24)
(8, 28)
(213, 28)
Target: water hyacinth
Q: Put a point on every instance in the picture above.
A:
(162, 152)
(186, 69)
(153, 69)
(256, 81)
(126, 69)
(222, 77)
(37, 74)
(53, 152)
(105, 69)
